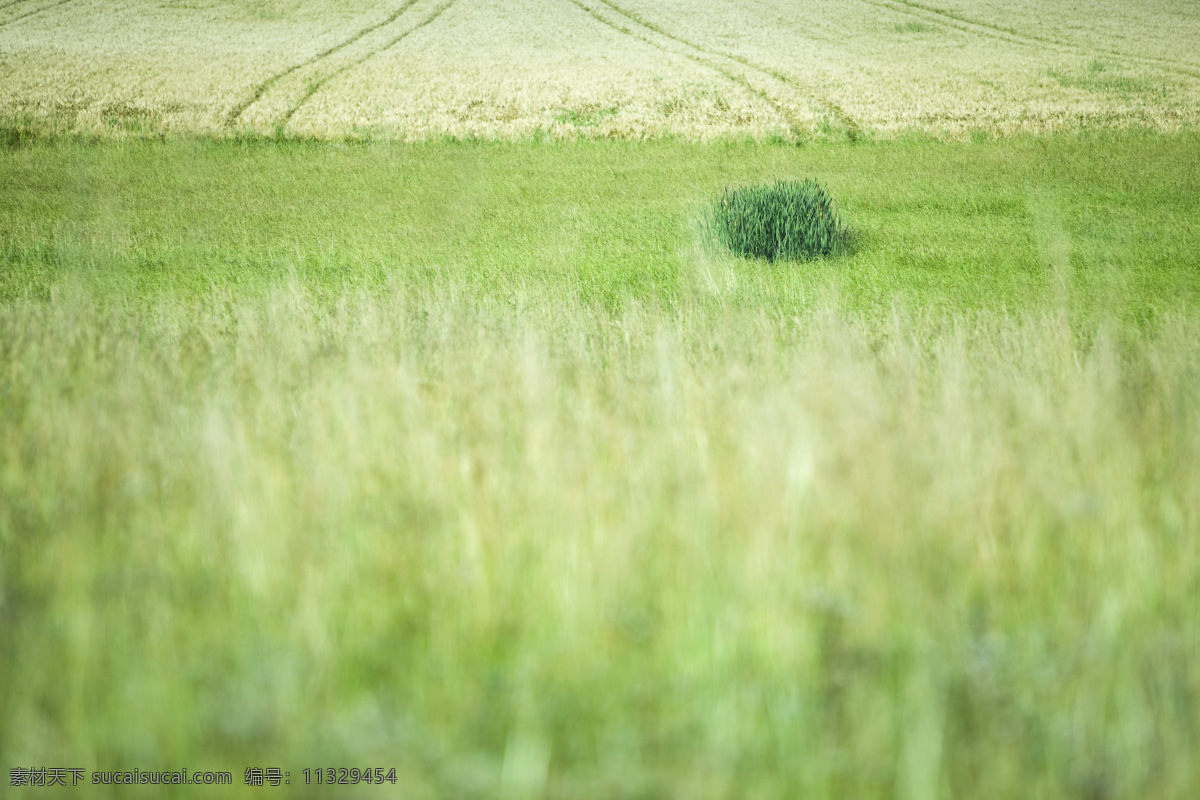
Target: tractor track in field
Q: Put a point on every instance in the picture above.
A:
(28, 14)
(740, 80)
(236, 112)
(704, 56)
(1013, 36)
(847, 121)
(315, 86)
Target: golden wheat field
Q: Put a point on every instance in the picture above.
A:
(694, 69)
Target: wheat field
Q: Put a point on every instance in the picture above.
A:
(420, 69)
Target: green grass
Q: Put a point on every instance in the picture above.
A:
(474, 460)
(1107, 77)
(586, 118)
(913, 27)
(777, 221)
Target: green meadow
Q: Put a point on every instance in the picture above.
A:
(480, 462)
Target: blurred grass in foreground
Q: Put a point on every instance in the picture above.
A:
(729, 530)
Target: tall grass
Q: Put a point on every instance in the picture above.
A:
(789, 220)
(472, 461)
(566, 553)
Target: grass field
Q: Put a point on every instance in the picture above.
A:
(373, 395)
(769, 69)
(475, 460)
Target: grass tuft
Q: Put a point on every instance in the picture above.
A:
(791, 220)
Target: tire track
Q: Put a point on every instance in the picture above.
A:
(314, 87)
(30, 13)
(1013, 36)
(848, 122)
(795, 128)
(236, 112)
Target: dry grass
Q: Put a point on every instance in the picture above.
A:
(410, 531)
(416, 69)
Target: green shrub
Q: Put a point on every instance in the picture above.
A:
(778, 220)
